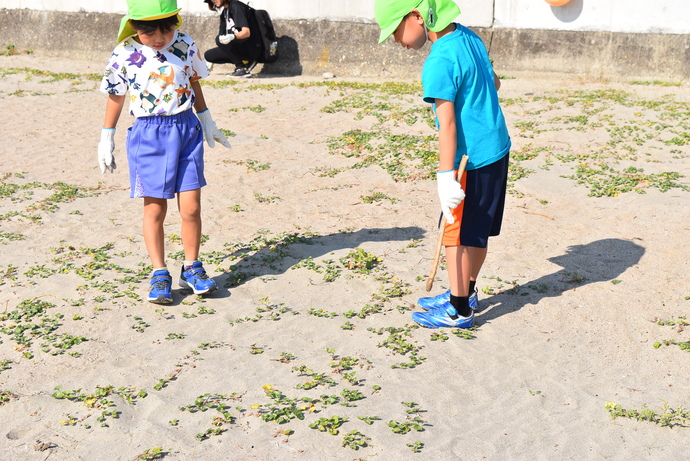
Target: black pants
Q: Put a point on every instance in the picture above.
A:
(234, 52)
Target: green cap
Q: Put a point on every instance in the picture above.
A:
(147, 10)
(437, 14)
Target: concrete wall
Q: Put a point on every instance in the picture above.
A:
(630, 16)
(584, 38)
(634, 16)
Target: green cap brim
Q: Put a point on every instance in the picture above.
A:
(389, 30)
(437, 14)
(126, 29)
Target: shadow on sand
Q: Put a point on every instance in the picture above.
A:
(599, 261)
(274, 254)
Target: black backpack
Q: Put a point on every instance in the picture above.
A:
(269, 41)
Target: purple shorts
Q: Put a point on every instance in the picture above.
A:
(166, 155)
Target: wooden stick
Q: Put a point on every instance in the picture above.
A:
(441, 232)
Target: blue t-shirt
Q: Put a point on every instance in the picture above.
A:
(458, 70)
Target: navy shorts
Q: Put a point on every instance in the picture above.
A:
(480, 215)
(166, 155)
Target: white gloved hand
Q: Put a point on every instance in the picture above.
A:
(449, 193)
(225, 39)
(211, 132)
(105, 150)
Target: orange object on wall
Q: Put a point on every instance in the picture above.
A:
(556, 2)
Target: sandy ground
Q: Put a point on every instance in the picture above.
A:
(574, 295)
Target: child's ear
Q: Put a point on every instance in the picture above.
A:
(418, 17)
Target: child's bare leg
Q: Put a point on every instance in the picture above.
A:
(458, 261)
(477, 258)
(189, 204)
(193, 276)
(464, 264)
(155, 210)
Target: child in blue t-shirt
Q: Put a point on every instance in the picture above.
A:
(161, 68)
(460, 83)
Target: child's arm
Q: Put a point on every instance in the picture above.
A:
(199, 101)
(113, 109)
(243, 32)
(497, 82)
(450, 193)
(211, 132)
(447, 134)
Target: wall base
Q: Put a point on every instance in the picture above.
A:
(351, 50)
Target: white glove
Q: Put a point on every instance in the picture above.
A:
(105, 150)
(449, 193)
(225, 39)
(211, 133)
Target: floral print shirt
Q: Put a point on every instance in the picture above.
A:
(159, 82)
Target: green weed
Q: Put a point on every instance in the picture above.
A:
(684, 346)
(6, 396)
(369, 420)
(355, 440)
(405, 157)
(11, 50)
(416, 446)
(251, 164)
(330, 425)
(668, 416)
(398, 342)
(282, 410)
(152, 453)
(360, 261)
(377, 197)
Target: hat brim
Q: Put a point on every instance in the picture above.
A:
(389, 30)
(126, 29)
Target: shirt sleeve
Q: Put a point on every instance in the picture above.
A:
(439, 79)
(115, 76)
(199, 69)
(239, 15)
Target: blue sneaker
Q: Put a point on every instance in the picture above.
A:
(437, 301)
(161, 288)
(474, 301)
(434, 302)
(440, 318)
(196, 279)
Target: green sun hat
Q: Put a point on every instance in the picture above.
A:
(147, 10)
(437, 14)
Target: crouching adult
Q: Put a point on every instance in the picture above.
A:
(236, 44)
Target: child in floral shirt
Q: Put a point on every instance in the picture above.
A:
(161, 67)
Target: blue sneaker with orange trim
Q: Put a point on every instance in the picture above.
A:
(441, 318)
(434, 302)
(195, 278)
(161, 288)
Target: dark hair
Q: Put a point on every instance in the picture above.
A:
(149, 27)
(212, 6)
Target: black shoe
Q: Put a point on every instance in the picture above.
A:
(241, 72)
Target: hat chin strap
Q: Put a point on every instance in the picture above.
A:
(426, 32)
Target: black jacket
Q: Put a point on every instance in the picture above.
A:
(237, 16)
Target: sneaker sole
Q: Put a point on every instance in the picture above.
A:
(466, 324)
(185, 284)
(161, 300)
